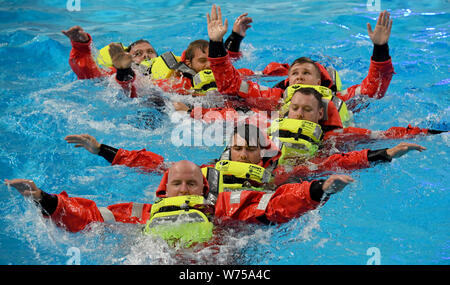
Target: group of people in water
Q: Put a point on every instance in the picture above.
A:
(266, 174)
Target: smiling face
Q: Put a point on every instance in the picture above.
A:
(184, 178)
(305, 107)
(304, 73)
(142, 51)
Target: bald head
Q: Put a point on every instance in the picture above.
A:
(184, 178)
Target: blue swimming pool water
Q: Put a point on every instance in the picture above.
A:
(401, 209)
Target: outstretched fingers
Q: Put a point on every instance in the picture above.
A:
(336, 183)
(403, 148)
(213, 12)
(75, 138)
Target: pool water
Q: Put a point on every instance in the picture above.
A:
(395, 213)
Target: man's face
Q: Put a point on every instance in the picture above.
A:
(184, 180)
(200, 60)
(142, 51)
(304, 73)
(305, 107)
(242, 152)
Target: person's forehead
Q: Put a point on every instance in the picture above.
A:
(142, 46)
(240, 141)
(303, 65)
(198, 52)
(303, 99)
(184, 174)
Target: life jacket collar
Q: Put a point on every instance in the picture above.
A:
(180, 220)
(297, 139)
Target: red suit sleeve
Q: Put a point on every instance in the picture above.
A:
(180, 85)
(210, 115)
(401, 132)
(374, 85)
(336, 162)
(129, 87)
(85, 67)
(82, 62)
(276, 69)
(235, 55)
(290, 201)
(245, 72)
(229, 82)
(355, 134)
(75, 213)
(287, 202)
(143, 159)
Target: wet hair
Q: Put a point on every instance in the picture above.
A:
(304, 59)
(198, 44)
(252, 135)
(310, 91)
(135, 43)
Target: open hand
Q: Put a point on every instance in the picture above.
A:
(25, 187)
(86, 141)
(241, 24)
(216, 29)
(120, 58)
(335, 183)
(382, 32)
(403, 148)
(76, 34)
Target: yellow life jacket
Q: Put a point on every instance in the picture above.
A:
(334, 77)
(104, 58)
(159, 67)
(204, 81)
(297, 139)
(167, 63)
(327, 95)
(178, 221)
(164, 66)
(234, 175)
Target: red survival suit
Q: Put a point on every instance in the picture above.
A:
(287, 202)
(83, 64)
(229, 82)
(152, 162)
(374, 85)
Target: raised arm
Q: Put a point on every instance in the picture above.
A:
(216, 28)
(76, 34)
(380, 35)
(233, 42)
(381, 70)
(81, 60)
(228, 78)
(242, 24)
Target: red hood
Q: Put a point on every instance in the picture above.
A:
(183, 56)
(325, 76)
